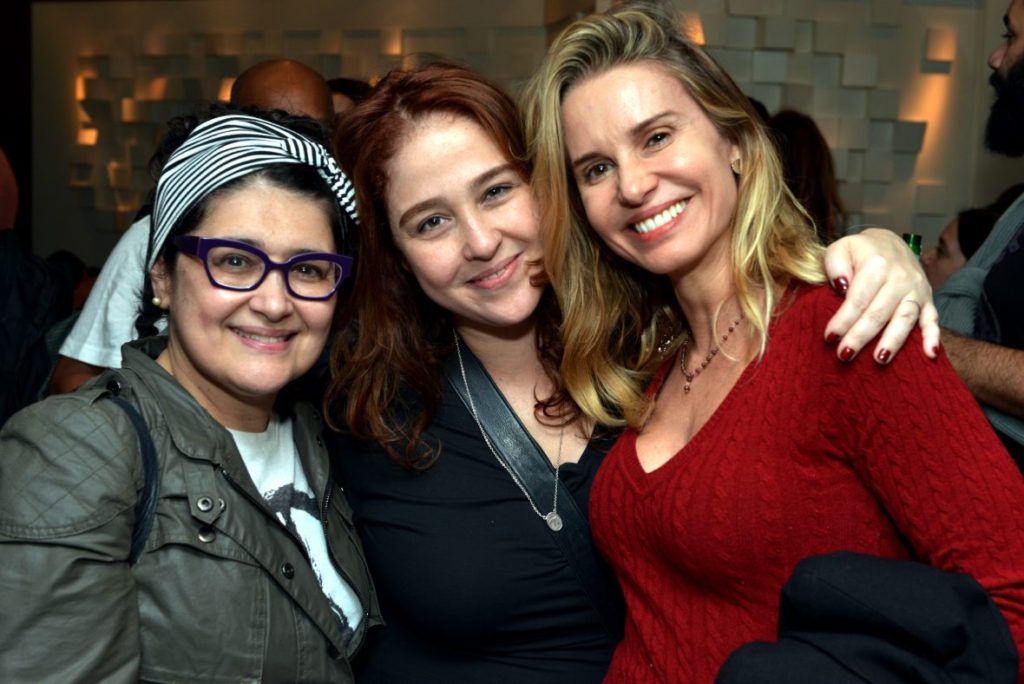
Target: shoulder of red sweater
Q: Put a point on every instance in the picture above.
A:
(804, 310)
(808, 297)
(803, 313)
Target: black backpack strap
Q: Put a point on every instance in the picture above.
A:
(514, 445)
(145, 507)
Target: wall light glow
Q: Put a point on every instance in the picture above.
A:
(224, 92)
(940, 44)
(88, 136)
(693, 27)
(928, 99)
(80, 79)
(155, 89)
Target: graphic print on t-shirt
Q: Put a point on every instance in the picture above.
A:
(274, 466)
(297, 512)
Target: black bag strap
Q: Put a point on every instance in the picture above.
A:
(524, 457)
(145, 506)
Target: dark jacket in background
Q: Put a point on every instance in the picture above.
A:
(34, 295)
(848, 618)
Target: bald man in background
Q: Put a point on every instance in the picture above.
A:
(287, 85)
(108, 319)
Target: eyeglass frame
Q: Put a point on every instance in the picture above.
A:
(199, 247)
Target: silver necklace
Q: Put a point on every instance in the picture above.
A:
(553, 519)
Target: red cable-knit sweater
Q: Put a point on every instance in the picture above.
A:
(804, 456)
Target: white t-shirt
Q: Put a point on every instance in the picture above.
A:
(274, 466)
(108, 319)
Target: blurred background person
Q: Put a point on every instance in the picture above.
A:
(962, 237)
(346, 93)
(287, 85)
(35, 294)
(809, 171)
(980, 305)
(956, 244)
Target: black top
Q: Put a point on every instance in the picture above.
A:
(472, 586)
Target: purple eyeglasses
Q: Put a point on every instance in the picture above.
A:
(238, 266)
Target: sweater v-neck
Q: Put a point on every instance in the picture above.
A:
(642, 479)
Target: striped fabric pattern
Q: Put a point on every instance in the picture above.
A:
(229, 147)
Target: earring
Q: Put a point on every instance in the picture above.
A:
(156, 301)
(735, 165)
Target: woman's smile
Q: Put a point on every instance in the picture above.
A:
(263, 339)
(493, 278)
(660, 219)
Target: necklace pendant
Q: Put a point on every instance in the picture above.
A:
(554, 521)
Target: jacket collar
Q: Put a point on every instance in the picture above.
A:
(192, 429)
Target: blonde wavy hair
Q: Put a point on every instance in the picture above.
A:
(620, 321)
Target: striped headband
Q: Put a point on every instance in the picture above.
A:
(229, 147)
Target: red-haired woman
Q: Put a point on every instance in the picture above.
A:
(477, 570)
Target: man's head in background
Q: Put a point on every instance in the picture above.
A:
(287, 85)
(1004, 133)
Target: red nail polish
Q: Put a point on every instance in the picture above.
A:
(884, 355)
(846, 354)
(842, 284)
(935, 350)
(832, 338)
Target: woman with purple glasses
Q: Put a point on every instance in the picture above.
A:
(176, 519)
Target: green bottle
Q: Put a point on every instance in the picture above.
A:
(914, 241)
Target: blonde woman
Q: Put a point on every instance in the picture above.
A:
(469, 562)
(690, 281)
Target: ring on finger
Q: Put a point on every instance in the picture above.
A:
(915, 303)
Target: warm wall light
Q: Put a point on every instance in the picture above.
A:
(391, 41)
(940, 44)
(155, 89)
(80, 79)
(130, 110)
(693, 27)
(224, 92)
(88, 136)
(929, 98)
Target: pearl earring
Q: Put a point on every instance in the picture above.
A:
(156, 301)
(735, 165)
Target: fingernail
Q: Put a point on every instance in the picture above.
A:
(846, 354)
(841, 284)
(884, 355)
(935, 350)
(832, 338)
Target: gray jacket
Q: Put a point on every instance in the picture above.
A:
(958, 299)
(221, 593)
